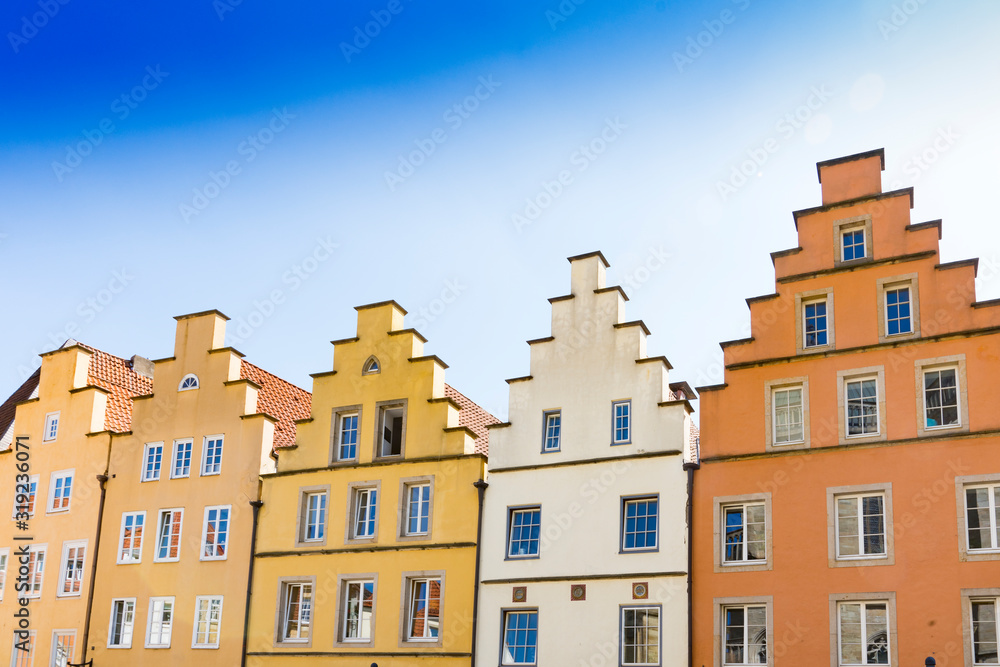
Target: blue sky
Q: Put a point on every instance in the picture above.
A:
(161, 159)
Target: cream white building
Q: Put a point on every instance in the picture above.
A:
(584, 539)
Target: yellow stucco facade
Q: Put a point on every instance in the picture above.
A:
(175, 543)
(61, 442)
(366, 549)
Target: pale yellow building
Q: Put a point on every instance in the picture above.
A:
(176, 536)
(56, 431)
(366, 551)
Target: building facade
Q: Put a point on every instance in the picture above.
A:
(57, 431)
(845, 508)
(366, 550)
(177, 524)
(584, 544)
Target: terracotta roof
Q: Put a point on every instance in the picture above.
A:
(115, 375)
(474, 417)
(280, 399)
(22, 393)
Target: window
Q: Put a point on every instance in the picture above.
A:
(215, 535)
(296, 612)
(212, 463)
(36, 571)
(863, 635)
(621, 410)
(982, 512)
(151, 462)
(189, 381)
(815, 324)
(391, 430)
(4, 558)
(130, 541)
(314, 514)
(524, 532)
(365, 513)
(168, 535)
(424, 609)
(73, 557)
(347, 448)
(358, 610)
(418, 505)
(51, 426)
(941, 398)
(640, 635)
(861, 526)
(23, 650)
(862, 401)
(122, 619)
(745, 538)
(980, 625)
(63, 647)
(207, 620)
(788, 418)
(60, 488)
(853, 244)
(371, 366)
(520, 637)
(897, 311)
(745, 639)
(24, 496)
(160, 622)
(553, 431)
(182, 459)
(639, 523)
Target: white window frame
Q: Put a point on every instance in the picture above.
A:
(339, 415)
(509, 543)
(659, 633)
(180, 533)
(155, 476)
(865, 245)
(54, 660)
(958, 396)
(504, 649)
(150, 616)
(993, 489)
(407, 490)
(284, 611)
(189, 376)
(970, 597)
(864, 599)
(346, 581)
(628, 422)
(410, 580)
(229, 529)
(366, 498)
(34, 570)
(964, 483)
(197, 622)
(205, 472)
(173, 457)
(121, 538)
(858, 502)
(53, 479)
(126, 612)
(64, 566)
(745, 560)
(833, 494)
(51, 420)
(861, 380)
(803, 299)
(805, 323)
(774, 414)
(306, 494)
(4, 569)
(885, 309)
(844, 379)
(724, 604)
(382, 408)
(16, 656)
(33, 496)
(547, 417)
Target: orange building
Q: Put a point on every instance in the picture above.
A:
(846, 508)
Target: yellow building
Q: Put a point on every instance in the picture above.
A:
(366, 551)
(56, 431)
(176, 537)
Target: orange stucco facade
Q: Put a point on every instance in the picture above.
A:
(842, 448)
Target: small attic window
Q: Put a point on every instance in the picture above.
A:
(189, 381)
(371, 366)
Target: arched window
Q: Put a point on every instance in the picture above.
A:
(189, 381)
(371, 366)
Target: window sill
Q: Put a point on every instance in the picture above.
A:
(863, 561)
(644, 550)
(526, 557)
(750, 566)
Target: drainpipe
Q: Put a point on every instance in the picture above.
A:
(256, 505)
(481, 487)
(102, 480)
(690, 468)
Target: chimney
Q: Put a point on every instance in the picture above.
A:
(850, 177)
(142, 366)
